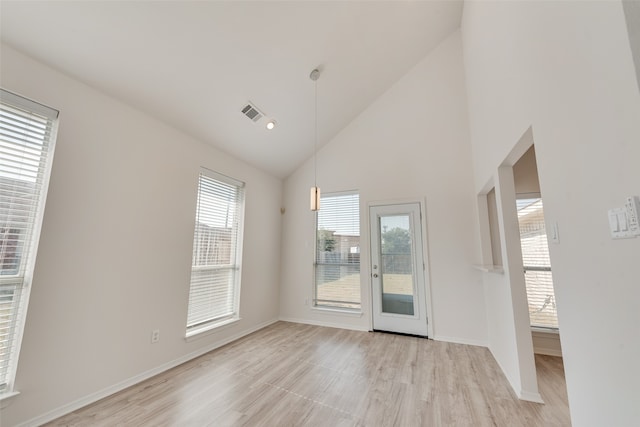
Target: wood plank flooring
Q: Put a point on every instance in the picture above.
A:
(300, 375)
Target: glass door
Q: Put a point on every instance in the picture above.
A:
(398, 276)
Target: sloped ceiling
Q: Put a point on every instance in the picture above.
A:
(195, 64)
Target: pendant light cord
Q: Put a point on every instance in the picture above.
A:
(315, 141)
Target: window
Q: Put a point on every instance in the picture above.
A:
(494, 228)
(337, 264)
(27, 138)
(215, 273)
(537, 264)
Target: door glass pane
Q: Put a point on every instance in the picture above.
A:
(396, 264)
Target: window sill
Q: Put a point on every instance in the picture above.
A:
(496, 269)
(6, 397)
(210, 329)
(548, 331)
(345, 312)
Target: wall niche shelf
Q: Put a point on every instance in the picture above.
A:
(497, 269)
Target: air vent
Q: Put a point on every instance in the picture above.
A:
(252, 112)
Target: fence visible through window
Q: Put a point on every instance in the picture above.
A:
(337, 263)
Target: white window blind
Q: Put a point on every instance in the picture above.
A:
(27, 136)
(537, 264)
(337, 263)
(215, 272)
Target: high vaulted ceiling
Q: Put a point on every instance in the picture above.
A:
(195, 64)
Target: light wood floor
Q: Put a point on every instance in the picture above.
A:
(300, 375)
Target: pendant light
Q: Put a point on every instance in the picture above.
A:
(315, 190)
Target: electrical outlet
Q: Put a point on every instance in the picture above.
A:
(306, 301)
(155, 336)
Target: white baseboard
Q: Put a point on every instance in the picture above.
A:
(457, 340)
(530, 396)
(108, 391)
(506, 375)
(321, 323)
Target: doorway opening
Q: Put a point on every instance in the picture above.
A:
(536, 261)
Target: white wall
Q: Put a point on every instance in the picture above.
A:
(525, 176)
(525, 173)
(115, 252)
(565, 68)
(410, 143)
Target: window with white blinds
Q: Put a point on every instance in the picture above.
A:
(337, 263)
(537, 264)
(27, 137)
(215, 273)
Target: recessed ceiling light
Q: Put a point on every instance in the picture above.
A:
(271, 124)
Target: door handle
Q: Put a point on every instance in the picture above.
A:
(375, 275)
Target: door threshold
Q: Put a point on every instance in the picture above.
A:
(401, 333)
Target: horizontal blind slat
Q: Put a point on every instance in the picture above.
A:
(213, 288)
(535, 255)
(26, 130)
(337, 267)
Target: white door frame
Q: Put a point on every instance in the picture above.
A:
(425, 260)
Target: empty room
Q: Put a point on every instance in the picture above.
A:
(320, 213)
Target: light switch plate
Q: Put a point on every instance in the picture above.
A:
(632, 205)
(555, 234)
(624, 222)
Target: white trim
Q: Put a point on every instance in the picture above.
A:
(546, 331)
(101, 394)
(335, 310)
(314, 290)
(342, 193)
(325, 324)
(521, 394)
(27, 104)
(210, 329)
(458, 340)
(221, 177)
(33, 241)
(528, 196)
(545, 351)
(530, 396)
(210, 184)
(495, 269)
(546, 342)
(5, 398)
(426, 255)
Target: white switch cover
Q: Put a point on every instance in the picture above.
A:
(555, 234)
(624, 222)
(632, 205)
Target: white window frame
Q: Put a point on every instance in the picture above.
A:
(46, 119)
(199, 323)
(335, 306)
(536, 327)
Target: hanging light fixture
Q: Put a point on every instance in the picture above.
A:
(315, 190)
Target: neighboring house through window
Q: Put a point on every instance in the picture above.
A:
(214, 294)
(337, 262)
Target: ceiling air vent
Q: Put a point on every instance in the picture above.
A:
(252, 112)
